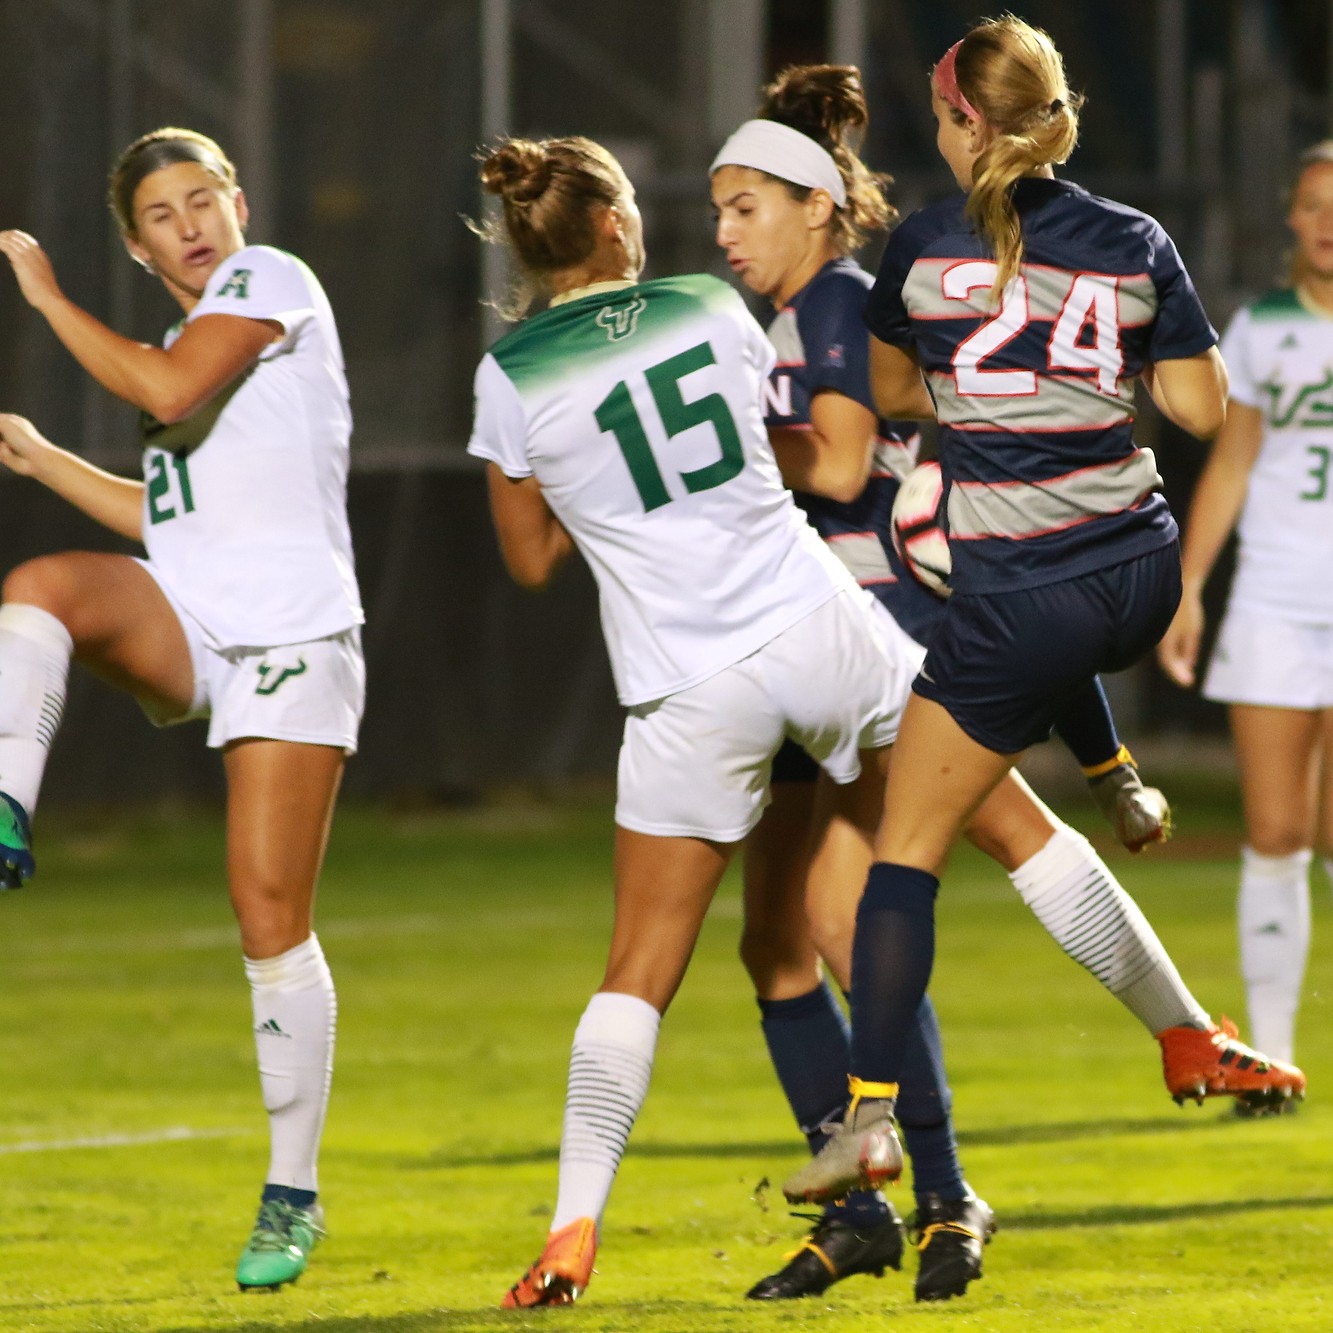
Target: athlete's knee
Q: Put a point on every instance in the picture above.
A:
(831, 926)
(273, 914)
(44, 582)
(1279, 834)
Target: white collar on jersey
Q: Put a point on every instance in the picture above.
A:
(1311, 306)
(592, 289)
(785, 153)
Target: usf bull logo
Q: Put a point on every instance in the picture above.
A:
(621, 321)
(1301, 404)
(271, 676)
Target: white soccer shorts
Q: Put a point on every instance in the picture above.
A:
(313, 693)
(696, 764)
(1262, 659)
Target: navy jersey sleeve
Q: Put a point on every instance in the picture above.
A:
(885, 314)
(1181, 328)
(833, 334)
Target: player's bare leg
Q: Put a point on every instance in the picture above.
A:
(893, 949)
(776, 947)
(802, 1020)
(105, 611)
(280, 798)
(663, 887)
(1278, 752)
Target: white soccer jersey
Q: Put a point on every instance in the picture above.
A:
(1279, 354)
(638, 411)
(245, 502)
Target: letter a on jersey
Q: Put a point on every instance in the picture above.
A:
(621, 321)
(238, 285)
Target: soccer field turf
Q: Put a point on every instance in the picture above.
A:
(464, 946)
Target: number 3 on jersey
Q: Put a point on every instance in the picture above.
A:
(163, 504)
(618, 416)
(1091, 305)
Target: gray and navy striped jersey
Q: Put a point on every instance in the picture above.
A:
(822, 346)
(1035, 395)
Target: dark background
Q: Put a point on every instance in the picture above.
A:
(354, 126)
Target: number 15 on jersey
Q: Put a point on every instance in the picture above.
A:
(618, 416)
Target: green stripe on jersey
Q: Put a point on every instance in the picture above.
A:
(1280, 303)
(604, 326)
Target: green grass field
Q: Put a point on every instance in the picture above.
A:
(464, 946)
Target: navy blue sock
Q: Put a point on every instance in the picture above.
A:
(893, 952)
(924, 1112)
(1085, 725)
(297, 1198)
(809, 1044)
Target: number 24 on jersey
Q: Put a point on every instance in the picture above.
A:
(1091, 305)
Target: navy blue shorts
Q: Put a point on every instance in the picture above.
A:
(1006, 664)
(792, 764)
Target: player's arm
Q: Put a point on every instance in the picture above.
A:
(533, 542)
(1191, 392)
(170, 383)
(114, 502)
(1216, 506)
(831, 456)
(897, 384)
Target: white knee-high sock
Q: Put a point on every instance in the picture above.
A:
(35, 649)
(296, 1012)
(609, 1069)
(1274, 916)
(1075, 896)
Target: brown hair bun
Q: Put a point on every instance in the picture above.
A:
(519, 171)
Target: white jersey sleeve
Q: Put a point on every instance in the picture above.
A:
(1236, 354)
(639, 414)
(260, 282)
(499, 424)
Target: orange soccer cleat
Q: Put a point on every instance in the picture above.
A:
(561, 1273)
(1211, 1062)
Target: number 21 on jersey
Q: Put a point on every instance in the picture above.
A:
(618, 416)
(168, 481)
(1085, 335)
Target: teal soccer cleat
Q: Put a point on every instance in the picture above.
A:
(280, 1245)
(16, 862)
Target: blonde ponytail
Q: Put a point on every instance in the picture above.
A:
(1013, 74)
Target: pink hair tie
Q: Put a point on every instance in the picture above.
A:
(945, 78)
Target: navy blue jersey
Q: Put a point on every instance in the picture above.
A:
(1035, 395)
(821, 341)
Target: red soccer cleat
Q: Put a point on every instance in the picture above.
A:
(562, 1272)
(1212, 1063)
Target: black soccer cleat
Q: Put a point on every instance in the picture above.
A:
(950, 1234)
(835, 1248)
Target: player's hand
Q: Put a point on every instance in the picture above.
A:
(22, 448)
(32, 268)
(1178, 652)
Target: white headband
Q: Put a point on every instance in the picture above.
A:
(785, 153)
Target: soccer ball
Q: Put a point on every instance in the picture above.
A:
(917, 535)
